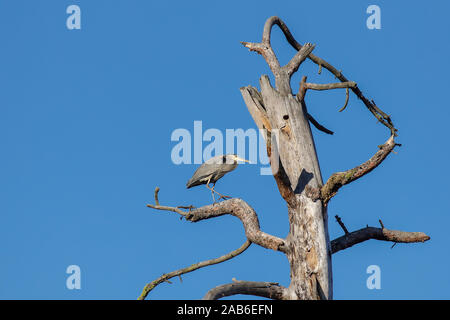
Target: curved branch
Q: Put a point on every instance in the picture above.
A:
(328, 86)
(268, 30)
(339, 179)
(235, 207)
(269, 290)
(240, 209)
(355, 237)
(346, 101)
(165, 277)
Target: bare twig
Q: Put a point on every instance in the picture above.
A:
(271, 290)
(318, 125)
(346, 101)
(157, 206)
(165, 277)
(339, 220)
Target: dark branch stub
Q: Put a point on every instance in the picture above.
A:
(339, 220)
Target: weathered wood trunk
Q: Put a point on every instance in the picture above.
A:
(308, 251)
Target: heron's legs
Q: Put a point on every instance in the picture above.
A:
(212, 190)
(221, 196)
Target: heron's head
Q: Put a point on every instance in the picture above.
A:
(232, 158)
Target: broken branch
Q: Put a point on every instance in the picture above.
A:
(329, 86)
(355, 237)
(271, 290)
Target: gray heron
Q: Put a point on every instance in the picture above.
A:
(212, 170)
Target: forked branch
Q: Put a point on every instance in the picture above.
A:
(282, 74)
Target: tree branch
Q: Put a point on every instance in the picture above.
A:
(318, 125)
(240, 209)
(299, 57)
(165, 277)
(267, 52)
(346, 101)
(339, 220)
(269, 290)
(355, 237)
(157, 206)
(339, 179)
(329, 86)
(235, 207)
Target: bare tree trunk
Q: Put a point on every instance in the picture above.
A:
(308, 251)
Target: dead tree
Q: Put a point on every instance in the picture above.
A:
(295, 166)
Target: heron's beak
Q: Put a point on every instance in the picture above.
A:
(240, 159)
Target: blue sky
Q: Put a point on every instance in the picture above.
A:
(86, 120)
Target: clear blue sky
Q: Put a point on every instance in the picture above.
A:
(86, 119)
